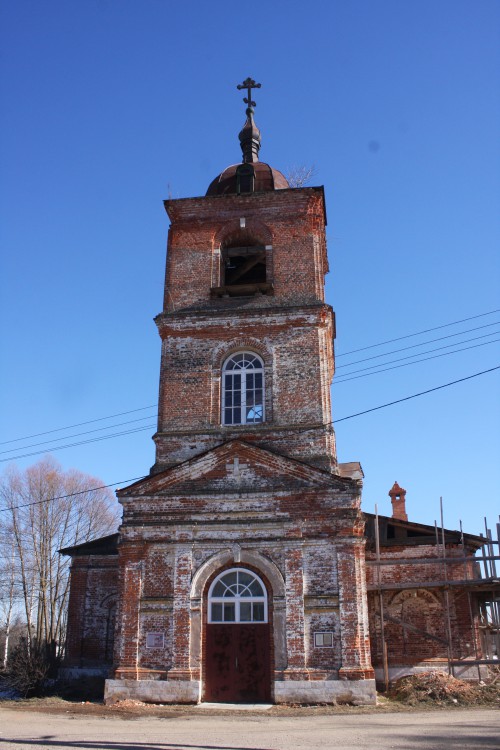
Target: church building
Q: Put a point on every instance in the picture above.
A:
(239, 573)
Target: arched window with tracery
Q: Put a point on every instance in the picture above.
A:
(237, 595)
(243, 389)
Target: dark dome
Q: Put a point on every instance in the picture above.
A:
(266, 178)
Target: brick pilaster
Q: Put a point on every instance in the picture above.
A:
(354, 632)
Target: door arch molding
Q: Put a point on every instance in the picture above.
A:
(245, 557)
(269, 571)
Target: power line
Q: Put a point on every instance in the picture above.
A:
(78, 434)
(80, 424)
(416, 395)
(418, 333)
(407, 364)
(327, 424)
(81, 442)
(345, 379)
(429, 351)
(151, 406)
(415, 346)
(391, 403)
(340, 379)
(71, 494)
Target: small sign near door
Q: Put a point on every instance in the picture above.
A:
(155, 640)
(323, 640)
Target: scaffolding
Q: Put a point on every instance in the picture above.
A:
(480, 584)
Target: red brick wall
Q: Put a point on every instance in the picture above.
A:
(91, 611)
(291, 328)
(422, 608)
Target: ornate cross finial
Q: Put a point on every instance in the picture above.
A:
(248, 84)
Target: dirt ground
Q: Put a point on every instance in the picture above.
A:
(53, 723)
(130, 709)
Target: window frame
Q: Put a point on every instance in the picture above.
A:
(243, 372)
(237, 599)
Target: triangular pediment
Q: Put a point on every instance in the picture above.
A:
(235, 467)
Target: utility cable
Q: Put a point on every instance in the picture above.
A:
(81, 442)
(415, 346)
(407, 364)
(80, 424)
(151, 406)
(339, 379)
(152, 426)
(78, 434)
(327, 424)
(71, 494)
(415, 395)
(418, 333)
(421, 354)
(346, 377)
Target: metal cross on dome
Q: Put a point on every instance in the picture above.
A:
(248, 84)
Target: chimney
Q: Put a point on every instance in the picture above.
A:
(398, 495)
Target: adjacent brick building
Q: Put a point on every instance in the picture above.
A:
(239, 572)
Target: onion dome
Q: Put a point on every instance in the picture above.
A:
(251, 175)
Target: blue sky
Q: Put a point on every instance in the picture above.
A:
(111, 106)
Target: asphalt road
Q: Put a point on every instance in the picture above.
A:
(431, 730)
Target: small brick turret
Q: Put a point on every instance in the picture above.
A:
(398, 500)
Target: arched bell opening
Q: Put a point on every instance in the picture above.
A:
(244, 264)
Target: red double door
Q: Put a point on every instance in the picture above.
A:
(237, 663)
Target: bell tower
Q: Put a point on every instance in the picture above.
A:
(241, 556)
(247, 338)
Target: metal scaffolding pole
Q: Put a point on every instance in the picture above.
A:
(469, 602)
(385, 661)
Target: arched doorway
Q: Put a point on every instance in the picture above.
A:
(237, 639)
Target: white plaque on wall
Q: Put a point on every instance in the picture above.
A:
(323, 640)
(155, 640)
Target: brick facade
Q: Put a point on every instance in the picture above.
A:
(245, 273)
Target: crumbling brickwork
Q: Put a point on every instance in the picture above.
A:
(421, 589)
(290, 327)
(246, 478)
(92, 610)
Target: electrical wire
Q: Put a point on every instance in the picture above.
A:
(78, 434)
(407, 364)
(383, 406)
(418, 333)
(151, 406)
(421, 354)
(81, 442)
(71, 494)
(326, 424)
(416, 395)
(345, 378)
(80, 424)
(414, 346)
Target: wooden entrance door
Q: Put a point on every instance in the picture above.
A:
(237, 663)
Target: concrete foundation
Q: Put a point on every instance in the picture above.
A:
(152, 691)
(357, 692)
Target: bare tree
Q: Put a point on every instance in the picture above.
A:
(8, 593)
(42, 510)
(299, 175)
